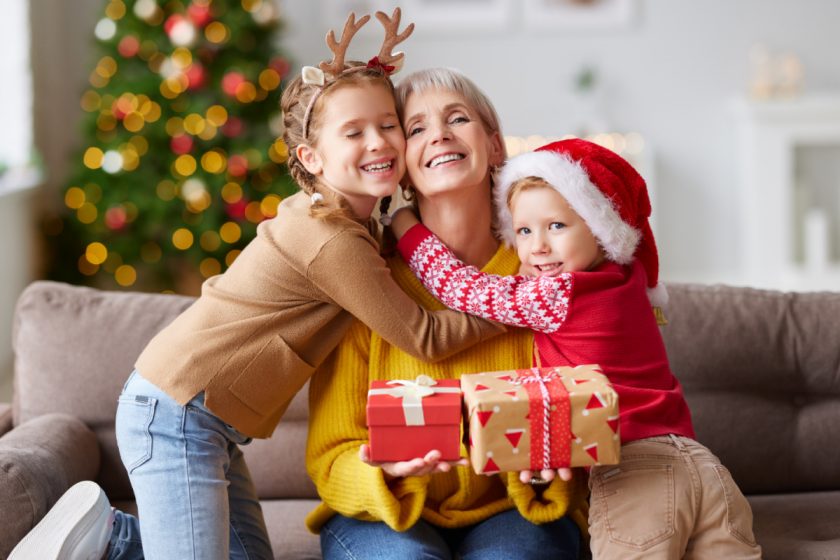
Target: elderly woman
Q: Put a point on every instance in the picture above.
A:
(426, 508)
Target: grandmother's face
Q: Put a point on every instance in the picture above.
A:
(447, 146)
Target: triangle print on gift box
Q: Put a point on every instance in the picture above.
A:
(514, 436)
(595, 401)
(484, 416)
(592, 449)
(612, 422)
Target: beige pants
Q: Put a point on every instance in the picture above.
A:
(669, 498)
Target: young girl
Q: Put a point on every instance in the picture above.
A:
(226, 369)
(578, 216)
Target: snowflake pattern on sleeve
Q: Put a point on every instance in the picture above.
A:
(539, 303)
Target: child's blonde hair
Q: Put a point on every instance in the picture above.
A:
(525, 184)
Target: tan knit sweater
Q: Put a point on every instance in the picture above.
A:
(259, 330)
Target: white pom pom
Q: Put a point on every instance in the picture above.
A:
(658, 295)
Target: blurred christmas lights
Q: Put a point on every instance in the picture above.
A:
(183, 156)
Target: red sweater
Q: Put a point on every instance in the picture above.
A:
(599, 317)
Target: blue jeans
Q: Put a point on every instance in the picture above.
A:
(505, 536)
(194, 493)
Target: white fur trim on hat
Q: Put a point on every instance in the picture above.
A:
(618, 238)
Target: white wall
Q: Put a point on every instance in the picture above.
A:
(16, 93)
(15, 191)
(671, 76)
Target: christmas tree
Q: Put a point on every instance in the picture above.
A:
(182, 154)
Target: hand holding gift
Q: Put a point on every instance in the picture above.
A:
(429, 464)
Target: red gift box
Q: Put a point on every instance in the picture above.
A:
(406, 419)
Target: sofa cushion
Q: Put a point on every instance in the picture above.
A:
(289, 537)
(761, 373)
(290, 540)
(39, 460)
(802, 526)
(74, 349)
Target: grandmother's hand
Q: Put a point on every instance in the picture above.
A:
(403, 220)
(545, 476)
(429, 464)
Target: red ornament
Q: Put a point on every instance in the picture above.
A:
(233, 127)
(171, 21)
(128, 46)
(231, 81)
(115, 218)
(280, 65)
(181, 144)
(199, 14)
(237, 165)
(236, 210)
(196, 76)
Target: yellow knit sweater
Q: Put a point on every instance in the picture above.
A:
(337, 398)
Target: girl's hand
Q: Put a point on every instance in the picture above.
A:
(547, 475)
(430, 464)
(403, 220)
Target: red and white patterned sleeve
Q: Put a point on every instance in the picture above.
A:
(538, 303)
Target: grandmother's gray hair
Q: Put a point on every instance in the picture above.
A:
(450, 80)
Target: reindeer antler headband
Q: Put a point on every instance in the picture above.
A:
(328, 71)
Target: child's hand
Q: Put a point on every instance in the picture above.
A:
(547, 475)
(430, 464)
(527, 270)
(402, 221)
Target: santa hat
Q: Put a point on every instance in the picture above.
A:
(603, 189)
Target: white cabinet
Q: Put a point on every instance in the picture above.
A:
(790, 233)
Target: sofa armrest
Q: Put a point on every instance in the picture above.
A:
(5, 418)
(39, 460)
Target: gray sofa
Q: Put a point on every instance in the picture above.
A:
(761, 371)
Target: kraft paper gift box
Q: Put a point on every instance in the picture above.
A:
(408, 418)
(541, 418)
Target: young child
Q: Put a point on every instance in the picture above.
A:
(226, 369)
(578, 216)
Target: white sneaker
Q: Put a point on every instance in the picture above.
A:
(78, 527)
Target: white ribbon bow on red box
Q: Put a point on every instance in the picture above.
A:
(412, 394)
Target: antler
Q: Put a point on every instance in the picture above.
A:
(339, 48)
(392, 39)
